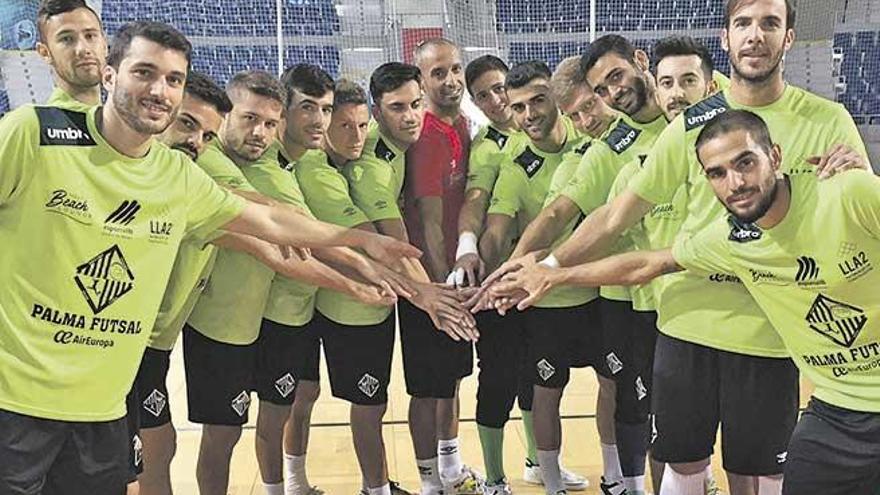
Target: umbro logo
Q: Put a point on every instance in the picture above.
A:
(137, 447)
(368, 384)
(781, 457)
(155, 403)
(104, 279)
(285, 385)
(545, 370)
(241, 403)
(743, 232)
(530, 162)
(125, 213)
(836, 320)
(60, 127)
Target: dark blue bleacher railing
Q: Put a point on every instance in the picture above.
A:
(860, 69)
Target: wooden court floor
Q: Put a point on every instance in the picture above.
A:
(331, 460)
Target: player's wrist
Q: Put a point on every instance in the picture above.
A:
(550, 261)
(467, 244)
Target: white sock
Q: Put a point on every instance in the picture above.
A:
(381, 490)
(273, 488)
(295, 480)
(611, 463)
(709, 475)
(634, 484)
(430, 476)
(769, 486)
(449, 461)
(550, 472)
(682, 484)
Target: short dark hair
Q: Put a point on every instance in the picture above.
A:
(683, 45)
(732, 5)
(258, 82)
(736, 120)
(610, 43)
(158, 32)
(391, 76)
(480, 66)
(204, 88)
(308, 79)
(50, 8)
(348, 93)
(526, 72)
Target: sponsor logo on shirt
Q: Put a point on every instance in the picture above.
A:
(60, 127)
(743, 232)
(836, 320)
(622, 137)
(703, 112)
(722, 278)
(764, 277)
(70, 205)
(545, 370)
(161, 227)
(530, 162)
(349, 211)
(497, 137)
(368, 384)
(241, 403)
(807, 275)
(117, 222)
(285, 385)
(855, 266)
(155, 403)
(104, 279)
(666, 210)
(383, 152)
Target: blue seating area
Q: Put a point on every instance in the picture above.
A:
(221, 62)
(4, 102)
(861, 69)
(227, 18)
(539, 16)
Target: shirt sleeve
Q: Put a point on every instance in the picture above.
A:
(591, 183)
(371, 183)
(327, 195)
(704, 252)
(507, 196)
(862, 199)
(484, 166)
(18, 142)
(666, 167)
(209, 206)
(847, 131)
(425, 165)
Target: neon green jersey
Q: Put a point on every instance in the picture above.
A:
(62, 99)
(232, 304)
(376, 178)
(523, 184)
(84, 267)
(327, 193)
(487, 154)
(715, 311)
(722, 82)
(814, 276)
(195, 259)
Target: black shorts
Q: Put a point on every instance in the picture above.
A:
(358, 359)
(154, 408)
(433, 363)
(48, 457)
(505, 373)
(630, 337)
(219, 378)
(755, 400)
(135, 445)
(285, 355)
(564, 338)
(833, 451)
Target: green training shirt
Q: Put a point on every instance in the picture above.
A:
(195, 259)
(376, 178)
(488, 151)
(716, 310)
(327, 194)
(62, 99)
(83, 267)
(814, 277)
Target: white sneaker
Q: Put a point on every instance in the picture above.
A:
(572, 481)
(470, 483)
(612, 488)
(500, 488)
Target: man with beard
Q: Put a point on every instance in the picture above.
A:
(819, 297)
(434, 364)
(710, 323)
(73, 336)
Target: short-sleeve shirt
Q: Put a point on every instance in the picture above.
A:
(62, 99)
(487, 154)
(714, 310)
(437, 167)
(82, 271)
(815, 275)
(327, 193)
(376, 178)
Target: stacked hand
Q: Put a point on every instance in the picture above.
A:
(445, 307)
(518, 282)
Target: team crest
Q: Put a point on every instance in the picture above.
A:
(368, 384)
(155, 403)
(104, 279)
(545, 370)
(835, 320)
(241, 403)
(614, 363)
(285, 385)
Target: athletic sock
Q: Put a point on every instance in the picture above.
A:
(430, 476)
(769, 486)
(492, 442)
(709, 475)
(550, 471)
(634, 484)
(529, 427)
(611, 463)
(449, 462)
(273, 488)
(381, 490)
(682, 484)
(295, 480)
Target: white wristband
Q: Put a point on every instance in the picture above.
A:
(467, 244)
(550, 261)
